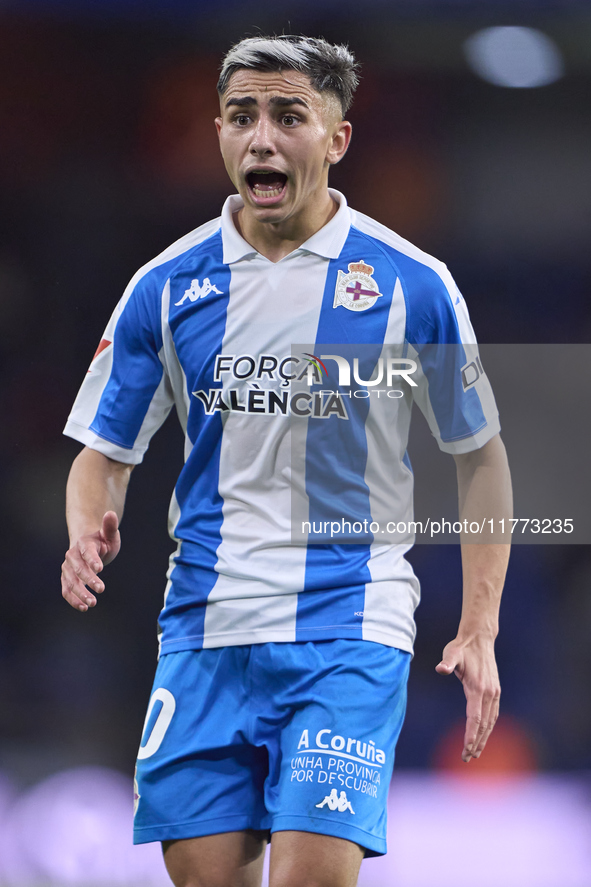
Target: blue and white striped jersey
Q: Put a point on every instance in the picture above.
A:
(212, 327)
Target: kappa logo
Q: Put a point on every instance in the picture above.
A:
(337, 802)
(196, 291)
(356, 290)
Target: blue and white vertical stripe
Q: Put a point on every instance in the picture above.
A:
(236, 577)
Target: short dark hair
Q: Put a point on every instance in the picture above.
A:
(330, 68)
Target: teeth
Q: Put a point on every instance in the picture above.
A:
(274, 193)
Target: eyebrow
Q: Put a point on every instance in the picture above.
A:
(277, 100)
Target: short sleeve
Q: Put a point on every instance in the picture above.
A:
(453, 391)
(126, 395)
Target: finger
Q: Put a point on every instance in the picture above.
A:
(89, 553)
(473, 722)
(80, 567)
(483, 729)
(75, 583)
(110, 527)
(492, 719)
(448, 664)
(74, 591)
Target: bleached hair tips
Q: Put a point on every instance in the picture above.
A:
(331, 68)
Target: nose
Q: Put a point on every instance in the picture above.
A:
(262, 143)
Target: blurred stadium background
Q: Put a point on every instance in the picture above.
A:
(472, 143)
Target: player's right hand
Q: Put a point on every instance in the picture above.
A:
(84, 561)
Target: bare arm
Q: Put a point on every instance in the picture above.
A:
(484, 487)
(95, 498)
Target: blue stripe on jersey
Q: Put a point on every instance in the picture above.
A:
(202, 321)
(459, 414)
(336, 453)
(431, 322)
(136, 370)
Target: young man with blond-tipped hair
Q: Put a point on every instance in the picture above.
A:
(281, 685)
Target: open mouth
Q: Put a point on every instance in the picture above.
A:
(266, 184)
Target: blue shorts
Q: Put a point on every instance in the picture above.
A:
(273, 737)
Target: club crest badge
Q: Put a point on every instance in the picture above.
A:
(356, 290)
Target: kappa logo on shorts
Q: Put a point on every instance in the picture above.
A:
(196, 291)
(337, 802)
(356, 290)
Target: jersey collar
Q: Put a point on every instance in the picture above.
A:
(328, 242)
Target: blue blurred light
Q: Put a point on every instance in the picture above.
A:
(514, 56)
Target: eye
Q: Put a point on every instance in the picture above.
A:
(289, 120)
(242, 119)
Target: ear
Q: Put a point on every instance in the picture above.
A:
(218, 125)
(340, 142)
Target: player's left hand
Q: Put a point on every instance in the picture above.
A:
(473, 662)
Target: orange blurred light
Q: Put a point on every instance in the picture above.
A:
(510, 750)
(177, 133)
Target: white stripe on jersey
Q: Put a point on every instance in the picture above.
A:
(174, 369)
(255, 466)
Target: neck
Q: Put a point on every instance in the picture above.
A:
(275, 240)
